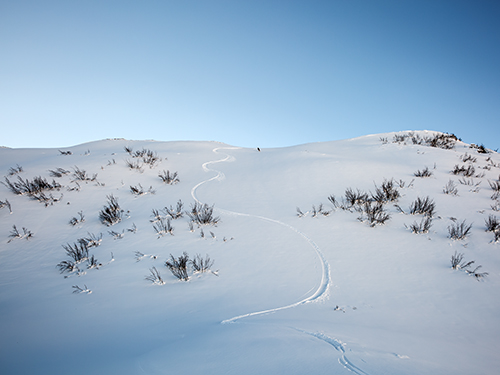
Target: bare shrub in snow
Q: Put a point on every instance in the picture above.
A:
(162, 227)
(169, 178)
(319, 211)
(357, 197)
(459, 231)
(77, 220)
(178, 266)
(203, 214)
(155, 276)
(458, 263)
(6, 204)
(137, 165)
(422, 227)
(139, 190)
(387, 192)
(450, 188)
(111, 213)
(58, 172)
(425, 206)
(468, 158)
(65, 152)
(333, 201)
(492, 224)
(15, 170)
(81, 175)
(78, 289)
(374, 213)
(423, 173)
(30, 188)
(175, 213)
(14, 233)
(202, 264)
(91, 240)
(466, 171)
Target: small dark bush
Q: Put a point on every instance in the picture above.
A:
(495, 185)
(466, 171)
(155, 276)
(14, 233)
(139, 190)
(162, 227)
(468, 158)
(319, 211)
(202, 265)
(333, 201)
(168, 178)
(59, 172)
(77, 220)
(458, 262)
(134, 165)
(31, 188)
(6, 204)
(202, 214)
(422, 227)
(423, 173)
(15, 170)
(375, 213)
(178, 266)
(65, 152)
(459, 231)
(387, 192)
(112, 213)
(424, 206)
(492, 224)
(357, 197)
(450, 188)
(81, 175)
(175, 213)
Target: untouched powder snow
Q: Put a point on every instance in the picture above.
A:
(286, 293)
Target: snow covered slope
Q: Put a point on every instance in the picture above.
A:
(293, 289)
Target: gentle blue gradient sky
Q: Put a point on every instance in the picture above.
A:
(248, 73)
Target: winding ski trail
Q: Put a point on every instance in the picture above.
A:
(322, 290)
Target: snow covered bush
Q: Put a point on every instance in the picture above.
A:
(112, 213)
(6, 203)
(77, 220)
(31, 188)
(168, 178)
(162, 227)
(58, 172)
(203, 214)
(425, 206)
(155, 276)
(458, 262)
(14, 233)
(139, 190)
(459, 231)
(15, 170)
(422, 227)
(374, 213)
(387, 192)
(466, 171)
(423, 173)
(175, 213)
(81, 175)
(202, 264)
(450, 188)
(178, 266)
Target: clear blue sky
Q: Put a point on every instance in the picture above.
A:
(248, 73)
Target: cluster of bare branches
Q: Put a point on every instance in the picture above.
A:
(14, 233)
(169, 178)
(458, 263)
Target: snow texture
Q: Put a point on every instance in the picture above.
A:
(329, 294)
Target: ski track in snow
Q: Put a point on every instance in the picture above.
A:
(321, 292)
(339, 346)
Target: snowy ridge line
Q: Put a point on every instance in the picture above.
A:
(321, 292)
(339, 346)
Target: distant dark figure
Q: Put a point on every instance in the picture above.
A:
(258, 149)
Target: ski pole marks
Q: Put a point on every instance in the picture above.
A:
(322, 290)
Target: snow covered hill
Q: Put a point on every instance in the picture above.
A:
(309, 259)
